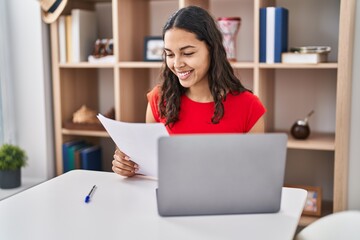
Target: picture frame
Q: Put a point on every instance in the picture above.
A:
(153, 49)
(313, 200)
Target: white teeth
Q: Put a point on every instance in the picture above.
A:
(184, 73)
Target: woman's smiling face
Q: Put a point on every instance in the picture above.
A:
(187, 57)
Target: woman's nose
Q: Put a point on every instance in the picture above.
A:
(178, 63)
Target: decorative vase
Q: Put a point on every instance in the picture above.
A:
(301, 129)
(229, 27)
(10, 178)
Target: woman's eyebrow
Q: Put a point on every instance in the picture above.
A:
(182, 48)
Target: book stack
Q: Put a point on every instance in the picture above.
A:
(77, 34)
(273, 33)
(306, 54)
(78, 154)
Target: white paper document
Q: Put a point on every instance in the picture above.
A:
(137, 140)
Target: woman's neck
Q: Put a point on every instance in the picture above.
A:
(199, 94)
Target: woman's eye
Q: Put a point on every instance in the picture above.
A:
(188, 54)
(169, 54)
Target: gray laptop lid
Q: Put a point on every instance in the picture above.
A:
(220, 173)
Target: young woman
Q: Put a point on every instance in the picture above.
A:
(199, 92)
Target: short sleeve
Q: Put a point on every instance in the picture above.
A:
(153, 99)
(256, 111)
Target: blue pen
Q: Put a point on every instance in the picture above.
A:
(87, 198)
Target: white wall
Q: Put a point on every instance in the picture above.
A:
(30, 70)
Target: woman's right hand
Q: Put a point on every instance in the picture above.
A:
(122, 164)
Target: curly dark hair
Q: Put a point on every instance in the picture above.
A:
(221, 75)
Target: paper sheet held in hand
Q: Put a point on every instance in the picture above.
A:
(137, 140)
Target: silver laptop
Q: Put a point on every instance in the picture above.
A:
(220, 174)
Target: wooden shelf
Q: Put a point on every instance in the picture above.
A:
(85, 133)
(86, 65)
(237, 65)
(244, 65)
(97, 0)
(298, 66)
(139, 64)
(316, 141)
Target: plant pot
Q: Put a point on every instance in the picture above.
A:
(10, 178)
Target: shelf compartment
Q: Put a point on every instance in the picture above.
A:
(132, 27)
(79, 87)
(132, 88)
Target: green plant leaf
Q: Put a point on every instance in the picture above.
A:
(12, 157)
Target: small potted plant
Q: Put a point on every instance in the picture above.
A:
(12, 159)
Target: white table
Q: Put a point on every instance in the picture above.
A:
(125, 208)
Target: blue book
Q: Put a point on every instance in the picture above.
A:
(65, 153)
(91, 158)
(262, 35)
(71, 154)
(281, 32)
(273, 34)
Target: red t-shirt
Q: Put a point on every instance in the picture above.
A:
(241, 112)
